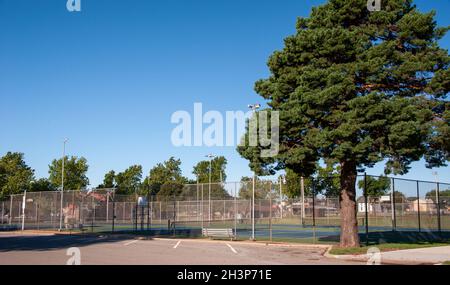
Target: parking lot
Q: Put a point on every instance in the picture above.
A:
(53, 249)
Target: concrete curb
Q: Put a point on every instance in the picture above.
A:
(364, 258)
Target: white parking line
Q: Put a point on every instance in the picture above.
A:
(130, 242)
(232, 249)
(178, 243)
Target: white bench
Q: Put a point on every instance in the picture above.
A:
(218, 233)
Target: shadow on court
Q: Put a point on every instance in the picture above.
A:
(42, 243)
(403, 237)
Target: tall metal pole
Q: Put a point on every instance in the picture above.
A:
(438, 208)
(394, 217)
(270, 213)
(436, 179)
(253, 208)
(418, 205)
(209, 194)
(281, 198)
(235, 209)
(367, 209)
(62, 186)
(254, 108)
(302, 193)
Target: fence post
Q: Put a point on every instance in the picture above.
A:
(438, 207)
(201, 208)
(235, 209)
(107, 207)
(11, 210)
(148, 211)
(281, 198)
(3, 211)
(314, 201)
(224, 210)
(113, 213)
(93, 215)
(418, 205)
(253, 207)
(36, 206)
(314, 209)
(270, 211)
(151, 211)
(24, 203)
(142, 216)
(136, 215)
(302, 194)
(367, 209)
(394, 217)
(198, 203)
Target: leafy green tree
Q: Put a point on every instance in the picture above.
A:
(75, 170)
(326, 182)
(376, 187)
(355, 88)
(109, 181)
(292, 187)
(262, 188)
(129, 181)
(218, 167)
(41, 185)
(15, 174)
(163, 173)
(218, 175)
(444, 195)
(170, 191)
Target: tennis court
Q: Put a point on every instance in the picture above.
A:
(276, 217)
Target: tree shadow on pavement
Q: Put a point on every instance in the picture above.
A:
(52, 242)
(404, 237)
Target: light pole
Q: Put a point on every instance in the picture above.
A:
(254, 108)
(210, 156)
(436, 179)
(62, 185)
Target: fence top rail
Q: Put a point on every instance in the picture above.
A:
(106, 191)
(321, 177)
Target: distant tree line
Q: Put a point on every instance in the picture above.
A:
(163, 180)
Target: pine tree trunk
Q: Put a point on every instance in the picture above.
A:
(349, 223)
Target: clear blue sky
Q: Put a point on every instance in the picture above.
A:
(110, 76)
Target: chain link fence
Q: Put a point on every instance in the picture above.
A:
(307, 210)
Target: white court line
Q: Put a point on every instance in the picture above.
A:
(178, 243)
(130, 242)
(232, 249)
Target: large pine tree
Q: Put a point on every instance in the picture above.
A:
(354, 88)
